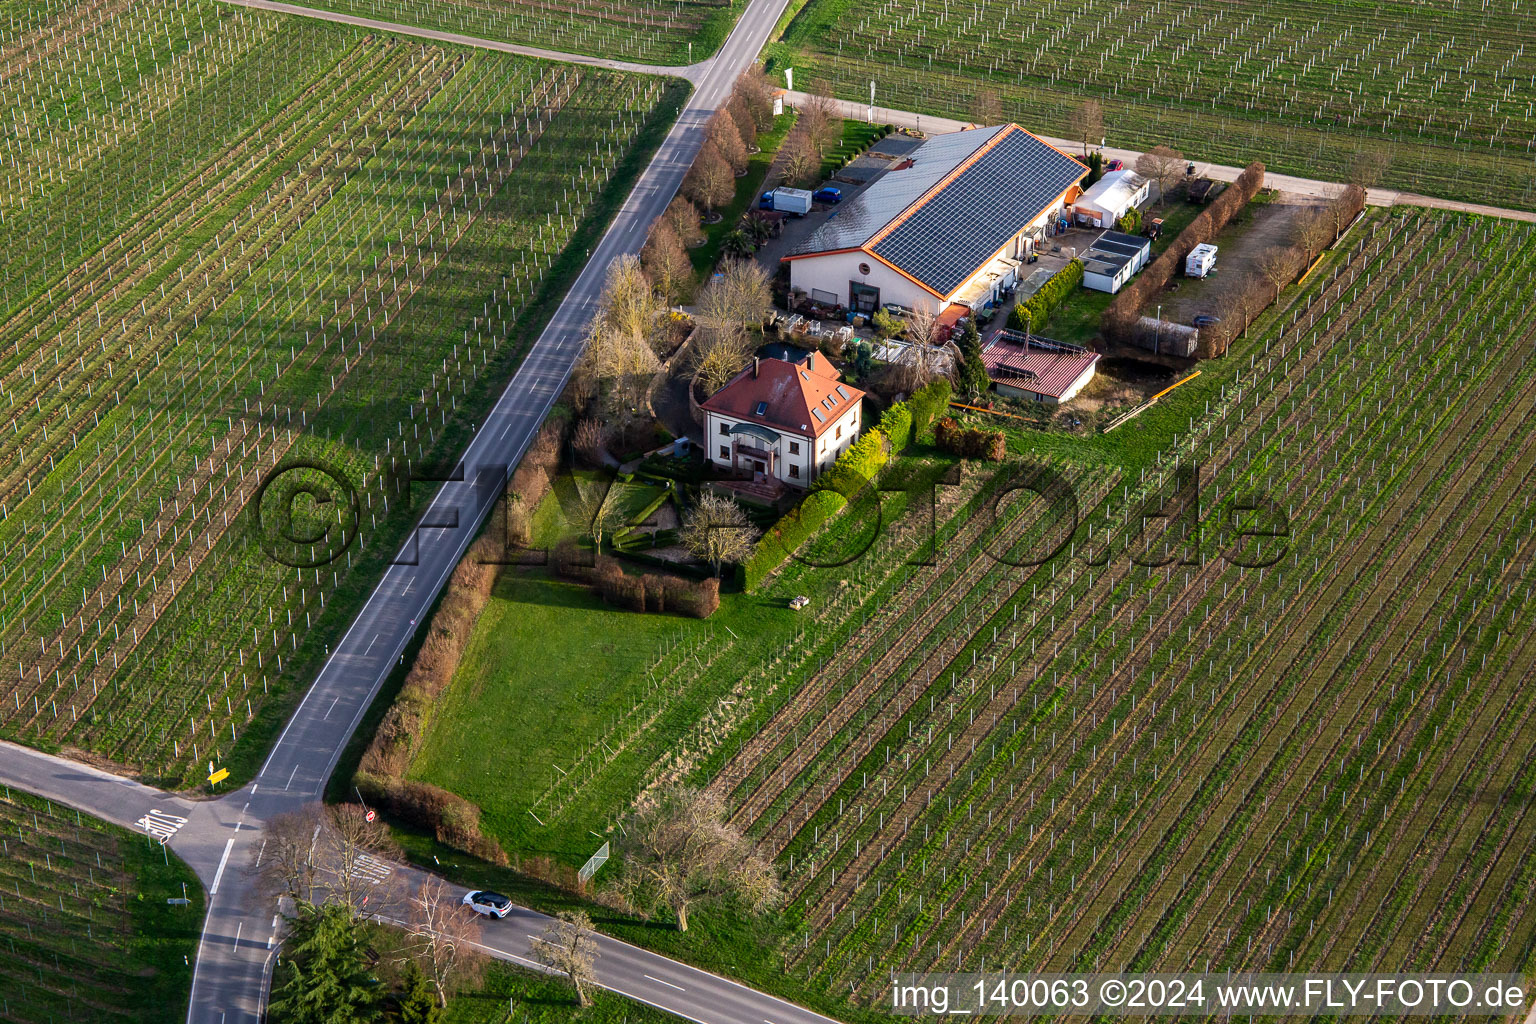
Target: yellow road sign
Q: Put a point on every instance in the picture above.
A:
(219, 776)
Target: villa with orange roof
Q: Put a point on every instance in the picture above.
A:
(946, 226)
(782, 420)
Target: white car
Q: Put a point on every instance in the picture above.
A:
(491, 904)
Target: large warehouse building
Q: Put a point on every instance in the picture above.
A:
(949, 223)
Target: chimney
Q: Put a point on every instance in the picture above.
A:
(754, 367)
(810, 360)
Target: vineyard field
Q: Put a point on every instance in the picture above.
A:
(1441, 93)
(84, 921)
(238, 241)
(1258, 753)
(666, 32)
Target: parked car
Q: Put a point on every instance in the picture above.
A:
(490, 904)
(1115, 165)
(831, 194)
(1206, 320)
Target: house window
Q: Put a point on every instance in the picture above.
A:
(794, 471)
(725, 451)
(725, 429)
(794, 447)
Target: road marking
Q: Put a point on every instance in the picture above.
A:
(214, 888)
(160, 824)
(239, 927)
(666, 983)
(371, 869)
(336, 700)
(371, 643)
(290, 777)
(409, 584)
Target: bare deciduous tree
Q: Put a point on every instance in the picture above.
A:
(446, 934)
(286, 863)
(801, 162)
(685, 220)
(665, 260)
(925, 359)
(716, 530)
(722, 131)
(1087, 123)
(986, 107)
(569, 946)
(754, 87)
(619, 342)
(1277, 264)
(748, 293)
(746, 124)
(590, 439)
(347, 839)
(680, 850)
(1314, 229)
(718, 356)
(1368, 167)
(710, 182)
(1162, 165)
(629, 303)
(600, 510)
(819, 119)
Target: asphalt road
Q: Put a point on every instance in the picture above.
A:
(692, 72)
(220, 839)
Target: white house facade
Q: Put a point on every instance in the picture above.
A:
(782, 420)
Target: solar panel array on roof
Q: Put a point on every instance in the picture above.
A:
(858, 220)
(959, 228)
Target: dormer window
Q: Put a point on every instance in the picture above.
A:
(761, 410)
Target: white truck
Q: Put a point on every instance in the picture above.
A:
(796, 201)
(1200, 261)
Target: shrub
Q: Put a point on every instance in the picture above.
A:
(451, 818)
(896, 424)
(859, 464)
(970, 443)
(1033, 313)
(928, 403)
(1130, 223)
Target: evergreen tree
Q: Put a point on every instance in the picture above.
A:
(328, 978)
(418, 1002)
(973, 369)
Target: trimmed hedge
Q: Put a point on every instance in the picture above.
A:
(896, 424)
(1033, 313)
(1122, 315)
(927, 404)
(860, 463)
(899, 426)
(791, 531)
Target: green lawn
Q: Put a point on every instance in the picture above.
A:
(548, 673)
(856, 138)
(1076, 321)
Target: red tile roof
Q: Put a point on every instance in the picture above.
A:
(1044, 367)
(799, 399)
